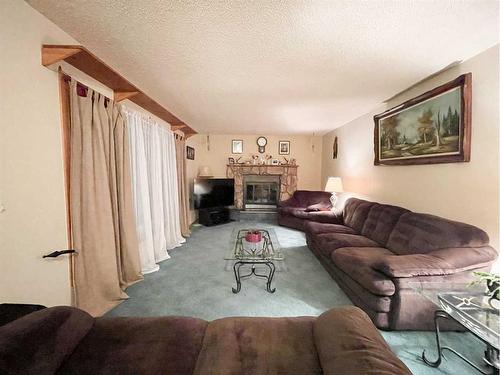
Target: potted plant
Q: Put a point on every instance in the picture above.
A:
(492, 282)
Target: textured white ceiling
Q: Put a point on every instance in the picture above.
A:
(266, 66)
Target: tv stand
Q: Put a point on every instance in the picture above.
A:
(213, 216)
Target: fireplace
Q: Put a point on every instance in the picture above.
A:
(261, 192)
(284, 174)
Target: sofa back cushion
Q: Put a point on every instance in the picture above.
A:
(40, 342)
(138, 345)
(306, 198)
(259, 346)
(380, 222)
(355, 213)
(421, 233)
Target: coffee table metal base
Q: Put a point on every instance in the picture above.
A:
(491, 354)
(239, 277)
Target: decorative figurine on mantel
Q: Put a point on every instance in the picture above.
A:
(268, 159)
(255, 159)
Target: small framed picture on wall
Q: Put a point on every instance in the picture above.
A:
(284, 148)
(335, 151)
(189, 152)
(237, 146)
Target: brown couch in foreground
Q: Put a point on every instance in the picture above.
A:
(65, 340)
(377, 252)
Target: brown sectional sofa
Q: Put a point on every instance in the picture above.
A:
(65, 340)
(304, 206)
(377, 252)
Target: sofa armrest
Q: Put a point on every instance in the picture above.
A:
(436, 263)
(290, 202)
(12, 311)
(38, 343)
(348, 343)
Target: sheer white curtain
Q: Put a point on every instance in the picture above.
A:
(155, 190)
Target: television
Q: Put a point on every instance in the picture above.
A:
(213, 192)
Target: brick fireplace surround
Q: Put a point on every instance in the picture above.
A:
(287, 173)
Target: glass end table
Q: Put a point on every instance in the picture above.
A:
(473, 309)
(265, 252)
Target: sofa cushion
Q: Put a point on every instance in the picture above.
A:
(421, 233)
(358, 263)
(348, 343)
(356, 212)
(314, 228)
(305, 198)
(356, 292)
(164, 345)
(380, 222)
(319, 216)
(436, 263)
(329, 242)
(40, 342)
(259, 346)
(323, 206)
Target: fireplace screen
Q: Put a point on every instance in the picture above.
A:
(261, 191)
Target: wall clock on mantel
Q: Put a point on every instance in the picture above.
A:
(262, 142)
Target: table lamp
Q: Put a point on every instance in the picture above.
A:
(334, 186)
(205, 171)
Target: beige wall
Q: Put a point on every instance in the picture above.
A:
(306, 149)
(466, 192)
(32, 221)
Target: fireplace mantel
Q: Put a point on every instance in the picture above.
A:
(287, 173)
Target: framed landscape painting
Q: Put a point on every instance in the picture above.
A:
(434, 127)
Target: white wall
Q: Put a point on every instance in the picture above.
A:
(306, 149)
(467, 192)
(31, 174)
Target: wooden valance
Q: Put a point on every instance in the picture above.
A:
(83, 60)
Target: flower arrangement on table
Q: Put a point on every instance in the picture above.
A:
(492, 283)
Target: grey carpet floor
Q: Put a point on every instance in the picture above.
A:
(194, 283)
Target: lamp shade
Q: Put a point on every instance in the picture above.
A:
(334, 185)
(205, 171)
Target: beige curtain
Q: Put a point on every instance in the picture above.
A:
(180, 150)
(102, 213)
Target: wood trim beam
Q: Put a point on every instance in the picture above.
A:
(122, 95)
(183, 128)
(178, 127)
(83, 60)
(54, 54)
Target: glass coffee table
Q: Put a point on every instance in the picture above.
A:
(261, 254)
(473, 309)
